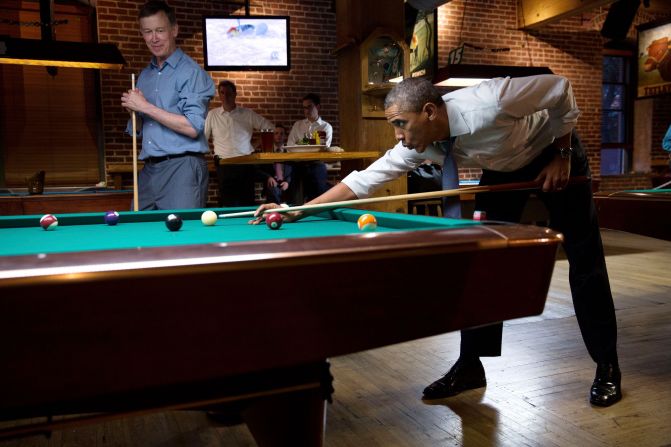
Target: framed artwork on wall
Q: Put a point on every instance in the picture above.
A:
(421, 35)
(654, 59)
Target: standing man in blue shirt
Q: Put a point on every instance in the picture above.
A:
(171, 99)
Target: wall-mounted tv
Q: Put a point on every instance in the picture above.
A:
(233, 43)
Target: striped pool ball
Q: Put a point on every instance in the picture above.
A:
(367, 222)
(48, 222)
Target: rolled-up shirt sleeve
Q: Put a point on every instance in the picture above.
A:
(394, 163)
(520, 97)
(194, 97)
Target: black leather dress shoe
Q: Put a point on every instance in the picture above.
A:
(464, 375)
(605, 389)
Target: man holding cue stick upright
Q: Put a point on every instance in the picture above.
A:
(171, 102)
(515, 130)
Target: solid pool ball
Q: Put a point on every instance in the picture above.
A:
(48, 222)
(173, 222)
(274, 221)
(208, 217)
(367, 222)
(111, 218)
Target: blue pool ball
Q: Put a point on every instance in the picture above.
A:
(173, 222)
(111, 218)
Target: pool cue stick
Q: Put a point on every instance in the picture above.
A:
(520, 186)
(133, 119)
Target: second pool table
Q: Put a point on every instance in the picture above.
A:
(134, 317)
(643, 211)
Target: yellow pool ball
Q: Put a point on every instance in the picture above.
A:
(208, 218)
(367, 222)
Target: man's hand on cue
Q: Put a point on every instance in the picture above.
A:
(286, 217)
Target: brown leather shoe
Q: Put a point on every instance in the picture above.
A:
(464, 375)
(606, 388)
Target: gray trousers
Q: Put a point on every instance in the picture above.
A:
(173, 184)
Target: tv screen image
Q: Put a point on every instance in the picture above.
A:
(246, 43)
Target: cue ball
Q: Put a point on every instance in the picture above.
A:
(274, 221)
(208, 217)
(111, 218)
(367, 222)
(48, 222)
(173, 222)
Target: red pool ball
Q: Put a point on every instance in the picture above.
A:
(48, 222)
(173, 222)
(111, 218)
(274, 221)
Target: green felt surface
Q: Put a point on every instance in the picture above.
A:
(650, 191)
(22, 235)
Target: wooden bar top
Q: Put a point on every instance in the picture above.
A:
(269, 157)
(273, 157)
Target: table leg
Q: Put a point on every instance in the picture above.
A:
(296, 419)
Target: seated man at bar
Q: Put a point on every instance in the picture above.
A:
(278, 175)
(515, 130)
(313, 174)
(231, 128)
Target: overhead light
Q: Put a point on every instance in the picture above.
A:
(51, 53)
(464, 75)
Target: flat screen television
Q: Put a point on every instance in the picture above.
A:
(233, 43)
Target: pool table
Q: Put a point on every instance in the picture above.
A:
(133, 317)
(645, 211)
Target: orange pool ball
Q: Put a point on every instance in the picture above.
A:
(367, 222)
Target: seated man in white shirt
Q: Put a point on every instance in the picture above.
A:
(231, 128)
(515, 130)
(313, 174)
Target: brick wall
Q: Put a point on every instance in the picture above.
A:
(274, 94)
(571, 47)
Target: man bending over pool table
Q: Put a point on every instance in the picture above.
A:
(515, 130)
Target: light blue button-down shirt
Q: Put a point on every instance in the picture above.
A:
(181, 86)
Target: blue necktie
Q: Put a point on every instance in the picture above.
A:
(451, 205)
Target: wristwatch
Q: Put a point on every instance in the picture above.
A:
(565, 152)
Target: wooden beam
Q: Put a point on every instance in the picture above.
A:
(536, 13)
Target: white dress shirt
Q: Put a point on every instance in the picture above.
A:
(301, 127)
(231, 132)
(500, 125)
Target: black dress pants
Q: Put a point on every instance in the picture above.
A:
(573, 213)
(236, 184)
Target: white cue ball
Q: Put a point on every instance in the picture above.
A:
(208, 217)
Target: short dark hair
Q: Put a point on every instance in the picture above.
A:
(411, 94)
(155, 6)
(229, 84)
(279, 126)
(316, 100)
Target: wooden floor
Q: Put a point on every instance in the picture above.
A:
(536, 395)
